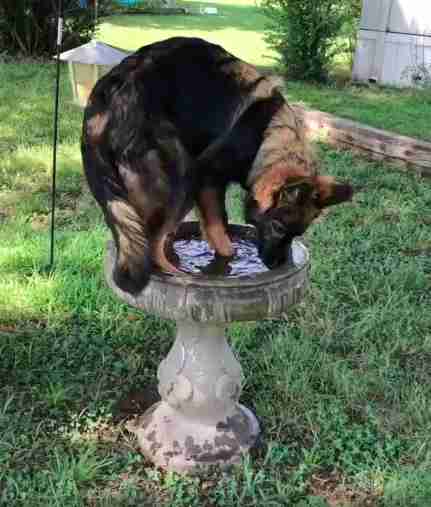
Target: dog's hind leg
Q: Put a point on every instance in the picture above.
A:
(158, 190)
(159, 251)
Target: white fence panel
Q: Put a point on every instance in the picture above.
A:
(410, 16)
(384, 56)
(365, 56)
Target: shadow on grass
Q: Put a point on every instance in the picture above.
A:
(27, 104)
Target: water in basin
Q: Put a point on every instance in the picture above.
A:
(195, 256)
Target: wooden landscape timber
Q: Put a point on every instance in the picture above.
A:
(156, 11)
(405, 152)
(162, 11)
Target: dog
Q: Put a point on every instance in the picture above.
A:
(170, 128)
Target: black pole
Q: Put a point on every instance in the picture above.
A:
(54, 150)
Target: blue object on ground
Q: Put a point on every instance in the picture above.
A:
(128, 3)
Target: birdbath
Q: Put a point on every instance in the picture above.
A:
(199, 420)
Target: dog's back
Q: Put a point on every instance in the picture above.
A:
(173, 125)
(146, 121)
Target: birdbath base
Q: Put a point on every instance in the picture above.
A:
(199, 421)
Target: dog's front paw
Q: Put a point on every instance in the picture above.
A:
(226, 250)
(219, 266)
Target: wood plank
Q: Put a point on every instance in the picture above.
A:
(404, 152)
(158, 11)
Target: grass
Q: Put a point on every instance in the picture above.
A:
(238, 27)
(342, 387)
(404, 111)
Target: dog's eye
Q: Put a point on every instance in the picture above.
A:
(277, 228)
(288, 195)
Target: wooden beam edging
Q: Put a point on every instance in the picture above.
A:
(158, 11)
(375, 144)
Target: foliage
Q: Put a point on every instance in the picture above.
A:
(29, 27)
(304, 32)
(350, 28)
(419, 75)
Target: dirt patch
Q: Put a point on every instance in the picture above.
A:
(7, 329)
(425, 220)
(39, 222)
(8, 208)
(421, 248)
(332, 488)
(136, 402)
(387, 217)
(68, 200)
(8, 144)
(416, 364)
(391, 216)
(6, 57)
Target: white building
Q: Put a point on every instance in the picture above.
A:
(394, 42)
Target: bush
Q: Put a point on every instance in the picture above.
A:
(349, 32)
(303, 32)
(29, 27)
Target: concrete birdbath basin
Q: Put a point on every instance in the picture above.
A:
(199, 420)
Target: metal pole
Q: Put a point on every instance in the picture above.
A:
(54, 154)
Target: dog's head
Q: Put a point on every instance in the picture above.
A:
(283, 205)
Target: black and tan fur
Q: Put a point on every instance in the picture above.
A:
(171, 127)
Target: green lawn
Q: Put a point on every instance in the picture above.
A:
(407, 112)
(238, 27)
(342, 387)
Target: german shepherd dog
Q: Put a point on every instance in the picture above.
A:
(171, 127)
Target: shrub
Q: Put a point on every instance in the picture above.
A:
(303, 32)
(349, 32)
(29, 27)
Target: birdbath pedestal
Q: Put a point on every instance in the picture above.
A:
(199, 420)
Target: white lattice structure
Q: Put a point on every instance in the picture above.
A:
(394, 35)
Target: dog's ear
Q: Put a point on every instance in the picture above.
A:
(278, 184)
(329, 192)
